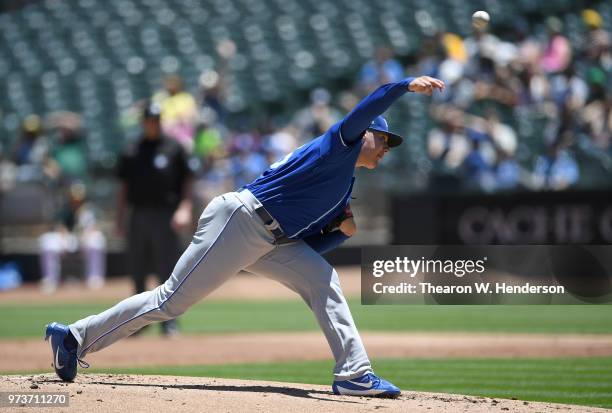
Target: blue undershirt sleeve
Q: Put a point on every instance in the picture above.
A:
(373, 105)
(323, 243)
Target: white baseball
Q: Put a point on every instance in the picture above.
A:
(480, 19)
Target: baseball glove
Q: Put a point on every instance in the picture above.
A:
(335, 223)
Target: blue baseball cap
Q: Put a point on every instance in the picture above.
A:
(380, 125)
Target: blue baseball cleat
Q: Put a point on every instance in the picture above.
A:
(64, 361)
(366, 385)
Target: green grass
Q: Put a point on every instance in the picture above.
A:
(585, 381)
(20, 321)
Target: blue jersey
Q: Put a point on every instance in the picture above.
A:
(311, 186)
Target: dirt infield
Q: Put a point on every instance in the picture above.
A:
(32, 355)
(114, 393)
(109, 393)
(243, 286)
(20, 355)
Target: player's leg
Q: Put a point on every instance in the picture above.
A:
(304, 271)
(227, 240)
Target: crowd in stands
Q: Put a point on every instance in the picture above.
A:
(517, 109)
(493, 84)
(530, 76)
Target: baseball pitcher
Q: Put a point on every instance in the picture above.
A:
(273, 226)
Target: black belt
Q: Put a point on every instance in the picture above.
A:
(279, 236)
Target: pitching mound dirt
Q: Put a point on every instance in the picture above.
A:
(32, 355)
(120, 393)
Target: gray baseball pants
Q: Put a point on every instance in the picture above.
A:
(230, 237)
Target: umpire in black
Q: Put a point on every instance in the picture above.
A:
(156, 185)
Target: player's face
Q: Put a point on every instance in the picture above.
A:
(374, 148)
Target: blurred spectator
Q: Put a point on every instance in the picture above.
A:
(448, 145)
(75, 229)
(501, 88)
(596, 49)
(208, 141)
(568, 87)
(556, 170)
(210, 149)
(557, 53)
(32, 147)
(214, 83)
(279, 143)
(451, 66)
(68, 154)
(597, 122)
(502, 136)
(31, 151)
(596, 115)
(597, 79)
(246, 162)
(481, 48)
(507, 172)
(179, 111)
(315, 119)
(212, 95)
(476, 169)
(71, 156)
(215, 178)
(533, 86)
(8, 173)
(347, 100)
(384, 68)
(454, 47)
(430, 55)
(156, 183)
